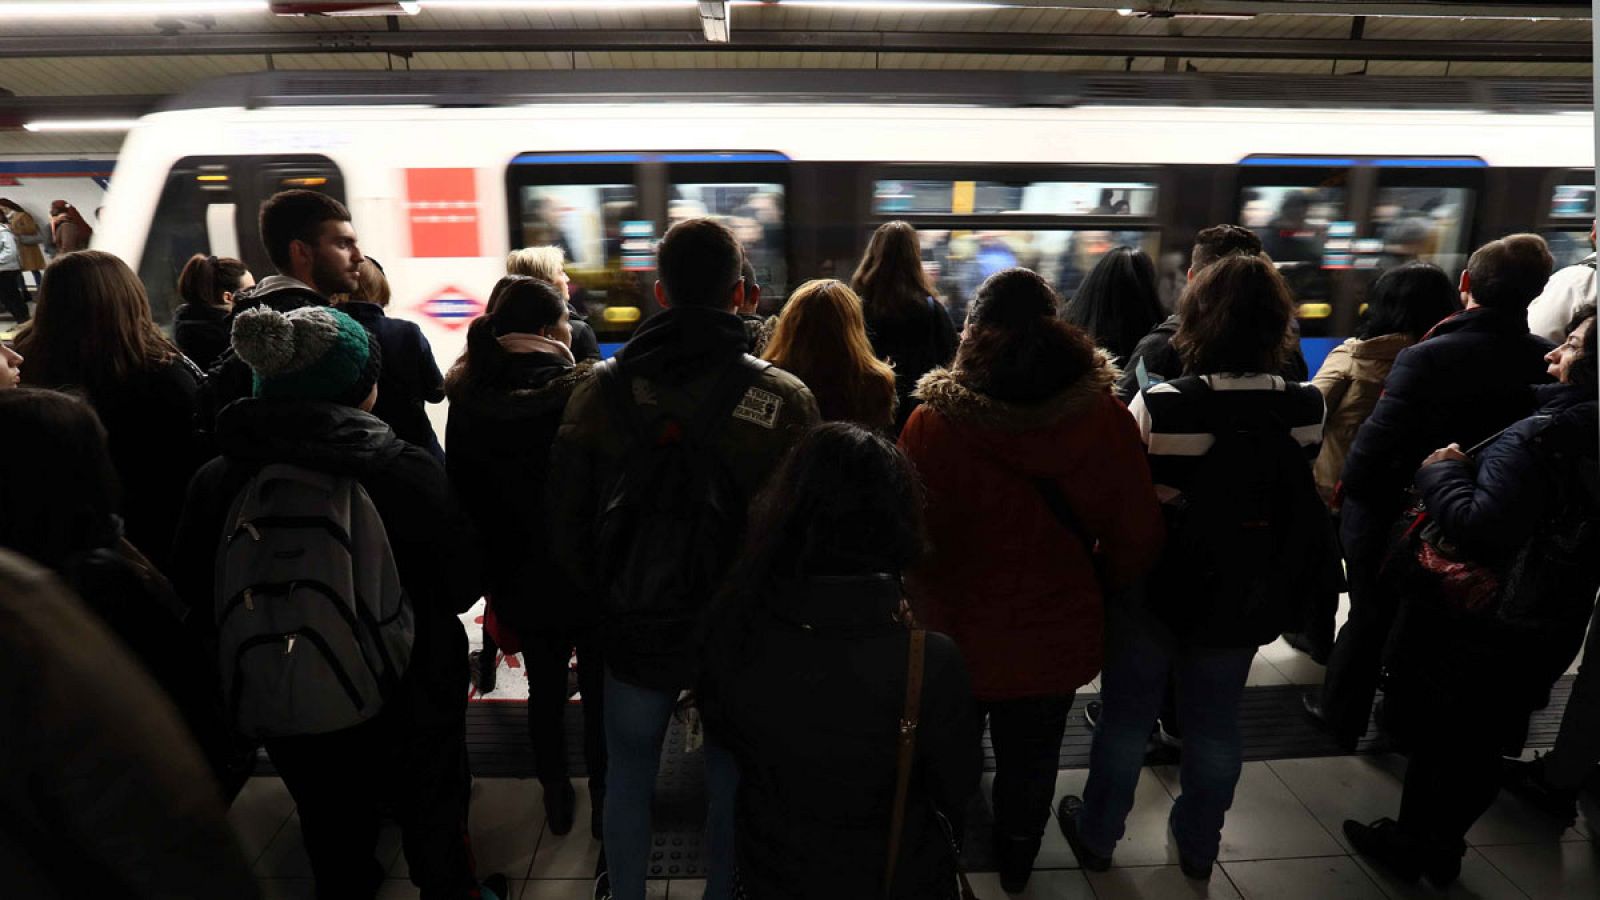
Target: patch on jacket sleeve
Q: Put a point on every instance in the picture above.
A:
(760, 407)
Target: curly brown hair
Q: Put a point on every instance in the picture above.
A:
(1235, 316)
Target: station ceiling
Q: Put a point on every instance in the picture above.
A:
(119, 58)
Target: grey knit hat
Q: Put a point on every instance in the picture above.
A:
(312, 353)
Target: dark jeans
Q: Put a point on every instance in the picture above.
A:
(1026, 733)
(1139, 656)
(338, 781)
(546, 655)
(14, 296)
(1356, 663)
(1449, 784)
(1570, 763)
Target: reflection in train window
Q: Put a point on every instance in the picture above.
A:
(194, 215)
(1305, 230)
(959, 261)
(1427, 224)
(755, 214)
(1572, 201)
(892, 197)
(590, 223)
(1569, 247)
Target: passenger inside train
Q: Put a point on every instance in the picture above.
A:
(824, 555)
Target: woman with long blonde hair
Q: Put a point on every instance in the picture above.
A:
(821, 337)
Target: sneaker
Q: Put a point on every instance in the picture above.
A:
(483, 671)
(495, 887)
(602, 886)
(1384, 842)
(1067, 817)
(1192, 869)
(560, 805)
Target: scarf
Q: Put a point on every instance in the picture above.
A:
(522, 342)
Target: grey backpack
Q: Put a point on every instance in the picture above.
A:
(313, 629)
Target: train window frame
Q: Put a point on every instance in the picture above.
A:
(1160, 177)
(247, 188)
(755, 168)
(1548, 220)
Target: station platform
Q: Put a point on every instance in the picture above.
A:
(1282, 840)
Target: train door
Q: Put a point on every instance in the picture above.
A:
(1565, 220)
(749, 193)
(210, 205)
(1058, 221)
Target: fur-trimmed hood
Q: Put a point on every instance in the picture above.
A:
(529, 391)
(942, 390)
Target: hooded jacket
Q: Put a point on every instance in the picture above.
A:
(410, 377)
(434, 543)
(500, 434)
(229, 378)
(101, 789)
(673, 363)
(812, 720)
(1351, 380)
(1465, 380)
(1014, 586)
(203, 332)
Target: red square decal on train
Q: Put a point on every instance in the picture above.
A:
(442, 205)
(451, 307)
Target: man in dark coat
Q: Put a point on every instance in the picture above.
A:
(1465, 380)
(315, 372)
(309, 238)
(1155, 355)
(674, 365)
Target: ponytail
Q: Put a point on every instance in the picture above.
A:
(205, 279)
(481, 362)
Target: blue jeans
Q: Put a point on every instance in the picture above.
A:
(1139, 655)
(636, 724)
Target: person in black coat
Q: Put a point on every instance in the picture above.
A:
(207, 285)
(507, 395)
(410, 376)
(907, 325)
(1461, 686)
(93, 334)
(805, 682)
(316, 373)
(1465, 380)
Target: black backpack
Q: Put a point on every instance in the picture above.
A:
(667, 530)
(1250, 541)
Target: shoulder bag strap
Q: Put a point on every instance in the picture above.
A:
(614, 384)
(908, 750)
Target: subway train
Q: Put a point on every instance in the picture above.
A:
(446, 172)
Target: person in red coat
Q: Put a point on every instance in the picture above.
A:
(1036, 480)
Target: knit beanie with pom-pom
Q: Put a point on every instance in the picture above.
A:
(313, 353)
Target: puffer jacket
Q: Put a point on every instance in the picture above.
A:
(500, 435)
(811, 717)
(23, 225)
(673, 363)
(1351, 380)
(101, 790)
(435, 546)
(1013, 585)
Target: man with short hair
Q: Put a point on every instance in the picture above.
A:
(683, 384)
(1153, 359)
(310, 239)
(1466, 379)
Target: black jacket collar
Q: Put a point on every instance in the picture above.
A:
(678, 344)
(1482, 319)
(838, 604)
(328, 437)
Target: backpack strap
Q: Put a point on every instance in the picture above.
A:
(907, 751)
(618, 391)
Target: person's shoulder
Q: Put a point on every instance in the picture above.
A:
(780, 381)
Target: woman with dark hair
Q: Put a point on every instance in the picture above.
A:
(1230, 450)
(93, 332)
(806, 675)
(908, 327)
(821, 339)
(1118, 303)
(59, 493)
(201, 326)
(1036, 489)
(410, 379)
(1522, 514)
(507, 394)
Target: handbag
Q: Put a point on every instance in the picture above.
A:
(902, 783)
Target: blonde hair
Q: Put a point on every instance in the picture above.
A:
(543, 263)
(821, 337)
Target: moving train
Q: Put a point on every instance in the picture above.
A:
(444, 173)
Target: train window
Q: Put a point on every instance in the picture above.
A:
(1572, 201)
(592, 224)
(189, 219)
(754, 211)
(1430, 224)
(960, 260)
(1306, 231)
(1569, 247)
(911, 197)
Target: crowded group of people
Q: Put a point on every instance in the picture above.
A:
(837, 544)
(25, 245)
